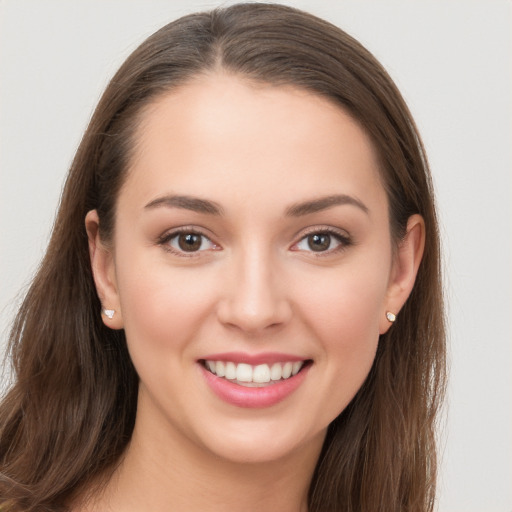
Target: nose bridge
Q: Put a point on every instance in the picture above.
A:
(255, 298)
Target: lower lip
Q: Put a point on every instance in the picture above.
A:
(243, 396)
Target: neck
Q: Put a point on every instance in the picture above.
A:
(162, 473)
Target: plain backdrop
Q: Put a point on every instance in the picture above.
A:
(452, 61)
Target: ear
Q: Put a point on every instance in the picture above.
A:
(103, 270)
(405, 268)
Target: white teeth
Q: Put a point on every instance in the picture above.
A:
(276, 372)
(259, 374)
(287, 370)
(295, 367)
(220, 368)
(244, 372)
(230, 371)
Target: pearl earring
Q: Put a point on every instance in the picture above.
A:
(390, 316)
(108, 312)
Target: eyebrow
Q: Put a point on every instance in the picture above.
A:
(323, 203)
(187, 203)
(295, 210)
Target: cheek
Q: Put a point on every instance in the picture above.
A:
(348, 324)
(162, 308)
(344, 310)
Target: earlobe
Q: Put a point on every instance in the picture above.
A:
(103, 269)
(405, 268)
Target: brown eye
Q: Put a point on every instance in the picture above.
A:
(323, 242)
(189, 242)
(319, 242)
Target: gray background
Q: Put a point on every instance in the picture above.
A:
(452, 62)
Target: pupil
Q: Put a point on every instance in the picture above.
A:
(319, 242)
(189, 242)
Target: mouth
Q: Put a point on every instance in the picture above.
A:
(255, 376)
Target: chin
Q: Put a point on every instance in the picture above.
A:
(257, 443)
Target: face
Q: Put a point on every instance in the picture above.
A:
(251, 268)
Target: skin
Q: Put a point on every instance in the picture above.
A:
(255, 286)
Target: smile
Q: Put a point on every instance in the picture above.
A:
(259, 375)
(254, 381)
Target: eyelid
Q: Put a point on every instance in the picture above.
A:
(167, 236)
(344, 239)
(341, 235)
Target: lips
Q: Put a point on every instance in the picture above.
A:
(254, 380)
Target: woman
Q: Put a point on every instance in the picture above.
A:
(252, 316)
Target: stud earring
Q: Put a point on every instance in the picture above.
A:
(390, 316)
(108, 312)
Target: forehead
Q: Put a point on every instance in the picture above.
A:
(222, 133)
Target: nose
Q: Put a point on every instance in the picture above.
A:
(254, 298)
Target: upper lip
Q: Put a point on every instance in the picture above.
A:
(254, 359)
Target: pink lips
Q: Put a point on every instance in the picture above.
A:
(253, 397)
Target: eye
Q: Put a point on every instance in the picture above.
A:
(322, 242)
(187, 242)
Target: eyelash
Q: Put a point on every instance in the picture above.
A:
(166, 238)
(343, 240)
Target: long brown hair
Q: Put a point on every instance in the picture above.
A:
(70, 413)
